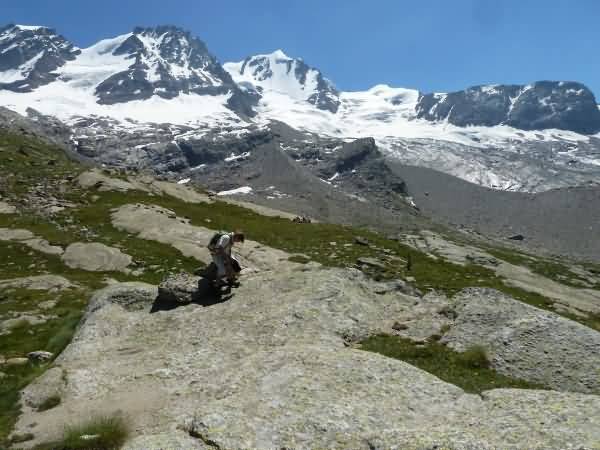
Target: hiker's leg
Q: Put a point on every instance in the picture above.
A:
(220, 263)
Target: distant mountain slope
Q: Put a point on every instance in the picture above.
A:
(538, 106)
(560, 221)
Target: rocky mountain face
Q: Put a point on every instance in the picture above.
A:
(291, 76)
(167, 62)
(30, 55)
(541, 105)
(156, 97)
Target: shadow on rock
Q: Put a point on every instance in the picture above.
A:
(183, 288)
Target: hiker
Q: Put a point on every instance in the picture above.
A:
(220, 248)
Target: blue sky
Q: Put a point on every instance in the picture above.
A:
(431, 45)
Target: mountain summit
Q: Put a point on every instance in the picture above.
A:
(279, 73)
(164, 61)
(167, 61)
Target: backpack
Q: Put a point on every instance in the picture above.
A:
(212, 245)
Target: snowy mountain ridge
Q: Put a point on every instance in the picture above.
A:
(501, 136)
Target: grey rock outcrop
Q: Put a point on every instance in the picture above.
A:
(95, 257)
(31, 55)
(526, 342)
(131, 296)
(38, 282)
(272, 367)
(29, 239)
(541, 105)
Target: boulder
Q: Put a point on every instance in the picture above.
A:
(6, 326)
(53, 385)
(5, 208)
(178, 288)
(98, 180)
(26, 237)
(526, 342)
(39, 356)
(95, 257)
(38, 282)
(16, 361)
(132, 296)
(361, 241)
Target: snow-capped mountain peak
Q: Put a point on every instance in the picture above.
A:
(165, 61)
(30, 27)
(278, 54)
(278, 73)
(30, 54)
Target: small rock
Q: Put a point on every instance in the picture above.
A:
(18, 438)
(517, 237)
(39, 356)
(371, 262)
(399, 326)
(360, 241)
(89, 437)
(48, 304)
(398, 286)
(482, 260)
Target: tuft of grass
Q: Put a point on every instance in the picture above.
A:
(16, 379)
(51, 402)
(63, 334)
(474, 357)
(468, 370)
(100, 433)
